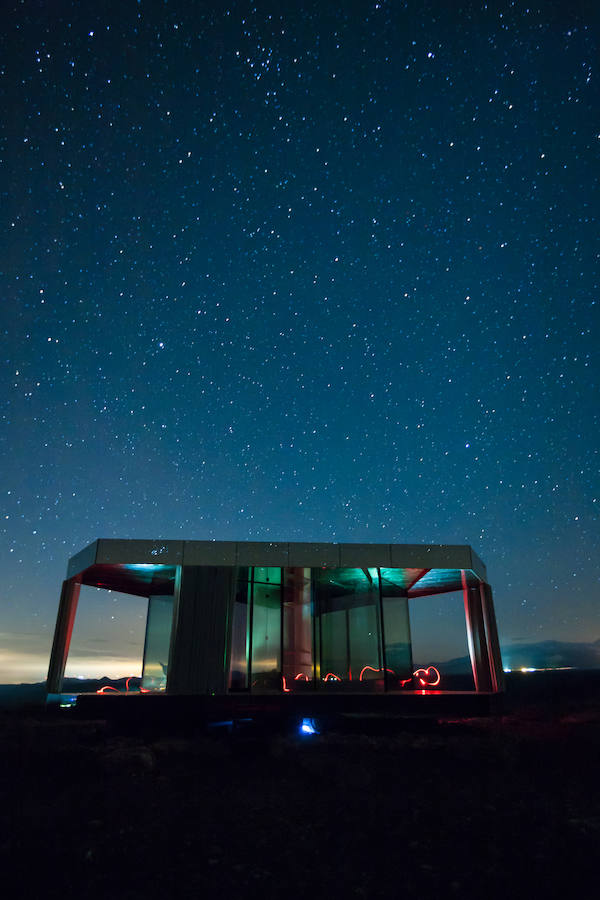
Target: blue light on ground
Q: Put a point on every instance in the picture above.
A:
(307, 726)
(67, 700)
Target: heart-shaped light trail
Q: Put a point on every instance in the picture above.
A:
(426, 678)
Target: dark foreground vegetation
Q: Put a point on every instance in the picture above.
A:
(499, 807)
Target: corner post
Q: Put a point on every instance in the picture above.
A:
(63, 630)
(476, 637)
(493, 643)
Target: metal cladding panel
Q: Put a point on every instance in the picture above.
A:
(262, 553)
(277, 553)
(198, 662)
(478, 566)
(160, 553)
(210, 553)
(431, 556)
(82, 560)
(365, 555)
(315, 555)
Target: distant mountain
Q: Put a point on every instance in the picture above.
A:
(15, 696)
(552, 655)
(540, 655)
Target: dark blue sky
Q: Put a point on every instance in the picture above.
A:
(321, 272)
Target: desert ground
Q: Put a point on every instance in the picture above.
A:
(504, 806)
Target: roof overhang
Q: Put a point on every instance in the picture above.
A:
(146, 568)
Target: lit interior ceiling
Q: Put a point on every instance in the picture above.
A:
(140, 580)
(146, 580)
(441, 581)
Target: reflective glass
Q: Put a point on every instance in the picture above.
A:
(266, 637)
(347, 610)
(238, 670)
(108, 635)
(298, 659)
(156, 646)
(439, 639)
(267, 574)
(398, 653)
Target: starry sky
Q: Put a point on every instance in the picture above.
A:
(302, 271)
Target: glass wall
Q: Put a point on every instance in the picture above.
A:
(396, 630)
(298, 656)
(300, 629)
(439, 638)
(156, 646)
(108, 636)
(240, 636)
(347, 611)
(266, 627)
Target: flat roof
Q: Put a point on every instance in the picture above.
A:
(145, 567)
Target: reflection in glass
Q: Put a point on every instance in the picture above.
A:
(266, 636)
(398, 654)
(156, 646)
(298, 659)
(444, 644)
(240, 636)
(267, 574)
(347, 607)
(300, 629)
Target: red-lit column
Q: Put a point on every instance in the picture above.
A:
(491, 631)
(62, 634)
(476, 637)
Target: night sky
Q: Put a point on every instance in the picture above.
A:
(302, 271)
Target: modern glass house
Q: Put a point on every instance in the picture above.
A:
(229, 618)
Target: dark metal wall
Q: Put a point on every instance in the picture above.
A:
(199, 655)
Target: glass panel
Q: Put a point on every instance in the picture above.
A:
(238, 670)
(267, 574)
(298, 659)
(266, 636)
(158, 639)
(398, 650)
(108, 638)
(439, 639)
(347, 604)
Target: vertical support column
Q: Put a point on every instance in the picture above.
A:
(62, 634)
(200, 640)
(174, 622)
(316, 622)
(493, 644)
(250, 632)
(382, 633)
(297, 638)
(476, 637)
